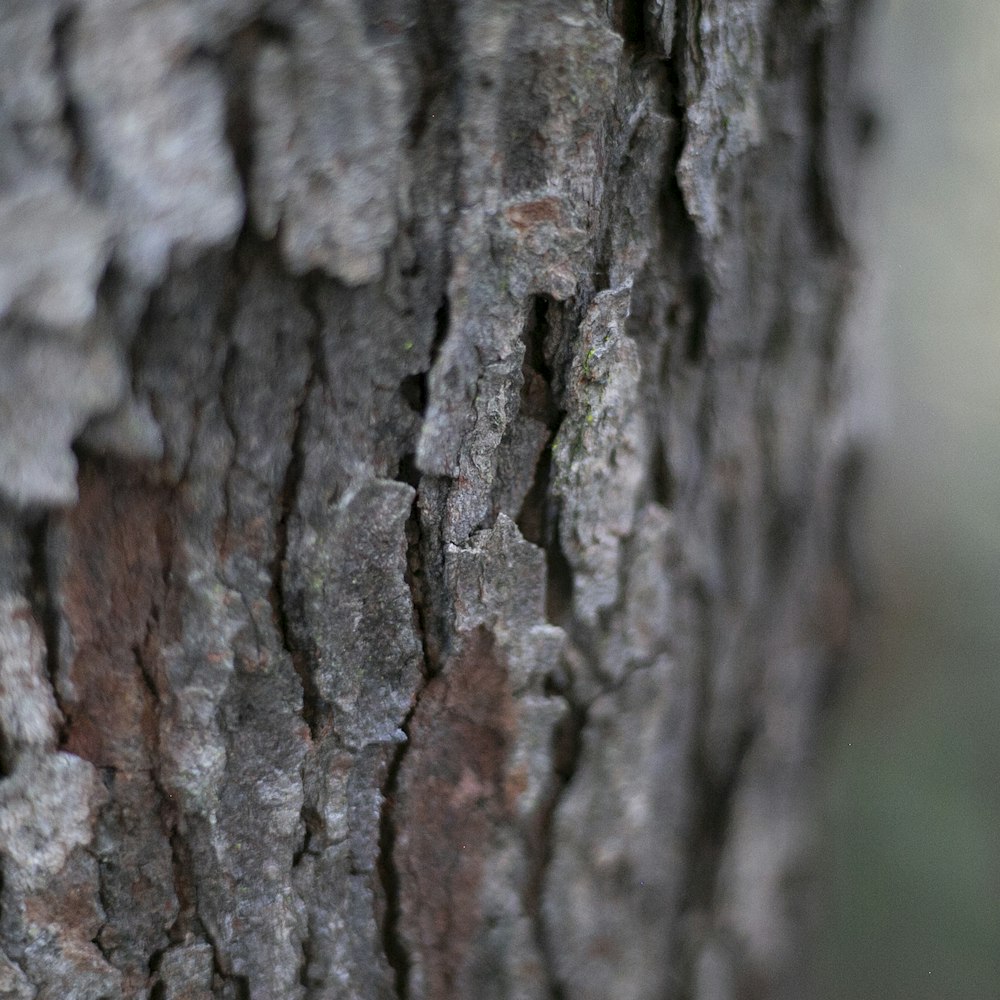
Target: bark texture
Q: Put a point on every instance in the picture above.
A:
(426, 458)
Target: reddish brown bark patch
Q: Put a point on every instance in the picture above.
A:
(525, 214)
(113, 563)
(452, 798)
(110, 590)
(68, 901)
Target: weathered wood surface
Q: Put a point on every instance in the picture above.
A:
(442, 594)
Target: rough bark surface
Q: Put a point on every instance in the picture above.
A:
(425, 454)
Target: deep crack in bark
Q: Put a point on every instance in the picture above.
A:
(43, 603)
(312, 702)
(396, 952)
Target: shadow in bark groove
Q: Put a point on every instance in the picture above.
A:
(42, 597)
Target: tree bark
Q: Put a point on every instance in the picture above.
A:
(427, 456)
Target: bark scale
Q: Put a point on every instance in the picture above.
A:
(446, 594)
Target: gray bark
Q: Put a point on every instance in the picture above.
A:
(426, 457)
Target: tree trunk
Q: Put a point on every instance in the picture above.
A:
(444, 592)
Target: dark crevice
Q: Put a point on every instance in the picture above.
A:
(238, 67)
(43, 601)
(312, 824)
(558, 580)
(437, 60)
(690, 312)
(695, 345)
(821, 206)
(534, 520)
(429, 628)
(62, 30)
(96, 939)
(544, 367)
(536, 332)
(414, 574)
(538, 391)
(187, 922)
(558, 571)
(414, 387)
(313, 705)
(238, 64)
(601, 275)
(442, 319)
(628, 18)
(393, 945)
(425, 559)
(408, 473)
(661, 479)
(6, 756)
(414, 392)
(538, 402)
(308, 958)
(395, 949)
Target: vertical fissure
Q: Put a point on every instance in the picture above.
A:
(393, 943)
(439, 67)
(419, 548)
(312, 703)
(628, 17)
(42, 597)
(821, 207)
(545, 359)
(314, 707)
(437, 61)
(238, 63)
(536, 519)
(678, 230)
(62, 30)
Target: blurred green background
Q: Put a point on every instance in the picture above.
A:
(913, 810)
